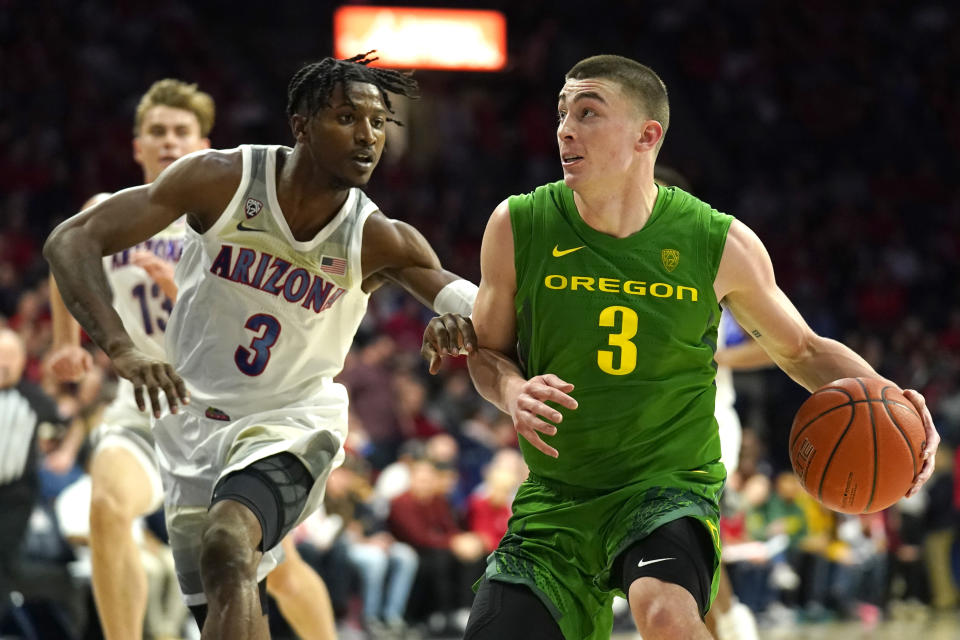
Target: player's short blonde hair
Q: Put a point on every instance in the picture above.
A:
(179, 95)
(639, 81)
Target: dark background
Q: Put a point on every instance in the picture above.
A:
(830, 130)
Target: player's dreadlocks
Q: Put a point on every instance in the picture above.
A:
(311, 87)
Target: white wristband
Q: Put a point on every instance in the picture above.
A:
(456, 297)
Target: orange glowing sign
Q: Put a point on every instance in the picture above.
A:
(463, 39)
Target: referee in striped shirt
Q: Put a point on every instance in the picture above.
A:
(23, 407)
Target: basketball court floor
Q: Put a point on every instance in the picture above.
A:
(944, 626)
(939, 627)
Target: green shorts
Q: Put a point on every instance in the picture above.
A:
(562, 541)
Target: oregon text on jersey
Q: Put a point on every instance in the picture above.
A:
(614, 285)
(271, 275)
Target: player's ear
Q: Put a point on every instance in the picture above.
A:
(298, 125)
(651, 132)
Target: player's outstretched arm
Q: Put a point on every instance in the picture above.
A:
(75, 249)
(493, 368)
(746, 284)
(404, 256)
(743, 357)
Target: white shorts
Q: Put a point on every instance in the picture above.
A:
(195, 452)
(125, 427)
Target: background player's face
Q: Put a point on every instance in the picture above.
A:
(13, 358)
(347, 137)
(166, 134)
(597, 129)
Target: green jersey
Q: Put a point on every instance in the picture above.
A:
(632, 323)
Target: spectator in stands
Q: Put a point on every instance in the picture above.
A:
(451, 559)
(488, 508)
(386, 566)
(369, 381)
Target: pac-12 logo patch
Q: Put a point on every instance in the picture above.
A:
(252, 207)
(670, 258)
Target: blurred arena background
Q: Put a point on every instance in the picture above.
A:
(831, 129)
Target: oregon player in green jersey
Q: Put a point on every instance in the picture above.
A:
(596, 320)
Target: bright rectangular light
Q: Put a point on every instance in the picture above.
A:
(414, 38)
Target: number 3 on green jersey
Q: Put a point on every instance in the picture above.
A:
(622, 340)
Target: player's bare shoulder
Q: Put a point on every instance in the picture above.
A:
(496, 251)
(393, 244)
(745, 262)
(202, 183)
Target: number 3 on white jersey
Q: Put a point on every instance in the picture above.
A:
(253, 360)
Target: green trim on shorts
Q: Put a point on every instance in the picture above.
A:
(562, 543)
(512, 579)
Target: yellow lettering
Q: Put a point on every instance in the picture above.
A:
(622, 340)
(635, 287)
(581, 281)
(555, 278)
(614, 285)
(610, 285)
(661, 286)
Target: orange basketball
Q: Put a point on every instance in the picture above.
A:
(855, 444)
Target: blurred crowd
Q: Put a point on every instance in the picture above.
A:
(792, 561)
(829, 129)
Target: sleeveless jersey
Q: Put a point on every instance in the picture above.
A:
(632, 323)
(264, 321)
(142, 306)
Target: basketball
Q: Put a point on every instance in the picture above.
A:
(855, 444)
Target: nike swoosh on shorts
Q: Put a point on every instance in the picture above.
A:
(644, 563)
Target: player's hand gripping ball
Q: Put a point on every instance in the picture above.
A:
(856, 444)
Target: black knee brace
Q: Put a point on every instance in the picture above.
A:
(274, 488)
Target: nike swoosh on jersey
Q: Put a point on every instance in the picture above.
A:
(644, 563)
(240, 227)
(557, 253)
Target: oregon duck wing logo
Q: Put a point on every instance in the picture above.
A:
(670, 258)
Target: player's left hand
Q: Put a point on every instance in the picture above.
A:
(154, 376)
(929, 452)
(160, 271)
(447, 335)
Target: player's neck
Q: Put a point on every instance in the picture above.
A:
(617, 212)
(305, 198)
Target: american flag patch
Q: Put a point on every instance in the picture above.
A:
(336, 266)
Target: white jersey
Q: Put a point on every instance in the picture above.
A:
(264, 321)
(142, 305)
(144, 309)
(729, 334)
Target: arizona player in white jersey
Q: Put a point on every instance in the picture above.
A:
(172, 119)
(281, 253)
